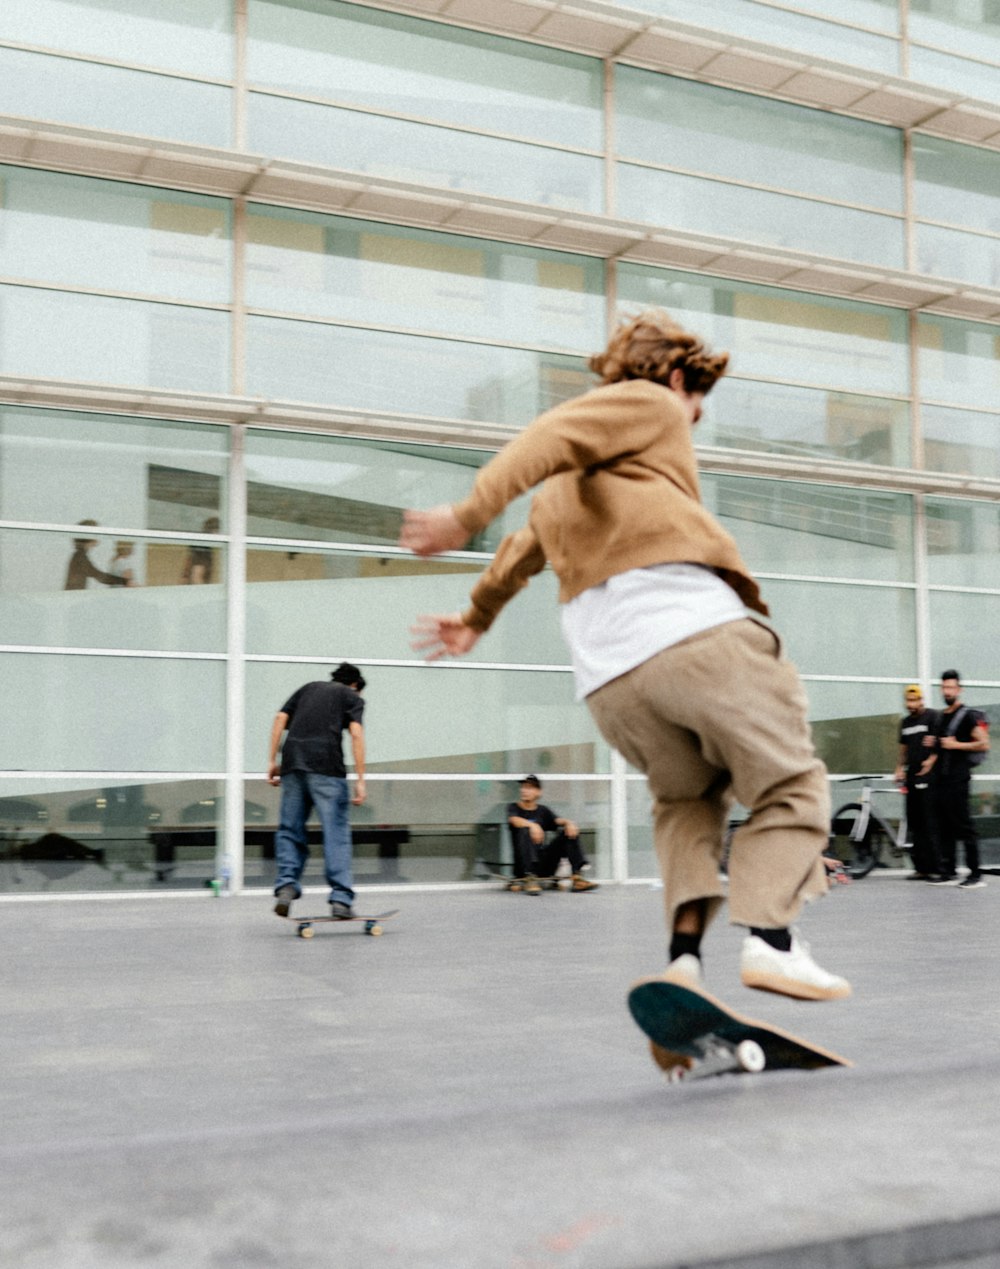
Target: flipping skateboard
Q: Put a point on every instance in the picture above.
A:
(692, 1034)
(304, 925)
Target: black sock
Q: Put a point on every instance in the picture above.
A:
(685, 945)
(780, 940)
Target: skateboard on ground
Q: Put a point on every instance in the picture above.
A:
(692, 1034)
(305, 924)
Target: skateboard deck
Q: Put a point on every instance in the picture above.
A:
(692, 1034)
(547, 883)
(372, 922)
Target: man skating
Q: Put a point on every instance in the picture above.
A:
(680, 677)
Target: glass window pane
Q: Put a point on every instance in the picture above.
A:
(386, 61)
(360, 271)
(93, 590)
(778, 419)
(424, 154)
(961, 441)
(376, 370)
(964, 634)
(961, 74)
(957, 25)
(959, 361)
(830, 629)
(454, 720)
(94, 96)
(57, 467)
(956, 183)
(950, 253)
(815, 530)
(80, 713)
(963, 544)
(772, 333)
(335, 490)
(880, 15)
(720, 132)
(73, 835)
(439, 831)
(302, 603)
(114, 237)
(734, 211)
(91, 338)
(855, 729)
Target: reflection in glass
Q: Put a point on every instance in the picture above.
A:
(959, 361)
(963, 544)
(773, 333)
(361, 271)
(963, 634)
(60, 467)
(112, 236)
(64, 835)
(951, 253)
(815, 530)
(956, 183)
(424, 153)
(957, 25)
(961, 441)
(406, 374)
(90, 95)
(778, 419)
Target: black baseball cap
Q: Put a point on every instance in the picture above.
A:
(532, 779)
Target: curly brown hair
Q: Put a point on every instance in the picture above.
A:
(650, 345)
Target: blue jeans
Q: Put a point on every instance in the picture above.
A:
(300, 792)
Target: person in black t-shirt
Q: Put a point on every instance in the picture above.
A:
(961, 733)
(913, 769)
(311, 774)
(534, 857)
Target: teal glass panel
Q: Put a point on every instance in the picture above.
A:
(952, 253)
(361, 271)
(815, 530)
(68, 713)
(777, 220)
(773, 333)
(720, 132)
(855, 729)
(795, 31)
(960, 74)
(325, 488)
(964, 635)
(90, 338)
(959, 361)
(845, 630)
(963, 546)
(957, 25)
(777, 419)
(89, 95)
(112, 236)
(444, 830)
(963, 441)
(194, 36)
(386, 61)
(60, 467)
(376, 370)
(956, 183)
(95, 590)
(455, 719)
(300, 603)
(76, 835)
(424, 154)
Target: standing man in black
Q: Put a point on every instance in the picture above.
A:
(312, 774)
(916, 760)
(961, 734)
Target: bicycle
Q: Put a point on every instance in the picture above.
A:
(859, 837)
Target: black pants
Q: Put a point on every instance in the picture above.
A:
(954, 824)
(920, 822)
(543, 860)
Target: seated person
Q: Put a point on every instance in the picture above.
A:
(533, 858)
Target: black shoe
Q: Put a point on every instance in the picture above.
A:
(285, 897)
(943, 880)
(341, 911)
(972, 882)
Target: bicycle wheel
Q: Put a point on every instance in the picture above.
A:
(858, 857)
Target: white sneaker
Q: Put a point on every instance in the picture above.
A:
(793, 973)
(685, 971)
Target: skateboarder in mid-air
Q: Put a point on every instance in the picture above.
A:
(660, 614)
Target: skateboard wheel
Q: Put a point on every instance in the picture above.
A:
(305, 931)
(676, 1074)
(373, 928)
(750, 1056)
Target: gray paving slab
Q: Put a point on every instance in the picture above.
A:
(186, 1083)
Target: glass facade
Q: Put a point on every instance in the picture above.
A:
(290, 378)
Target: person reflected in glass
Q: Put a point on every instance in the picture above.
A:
(121, 562)
(199, 567)
(82, 569)
(534, 857)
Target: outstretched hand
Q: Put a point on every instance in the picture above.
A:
(431, 532)
(442, 634)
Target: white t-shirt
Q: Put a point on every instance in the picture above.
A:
(613, 627)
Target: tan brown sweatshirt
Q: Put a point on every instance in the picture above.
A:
(620, 492)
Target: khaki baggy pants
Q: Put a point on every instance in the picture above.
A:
(722, 715)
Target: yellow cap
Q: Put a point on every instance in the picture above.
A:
(913, 690)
